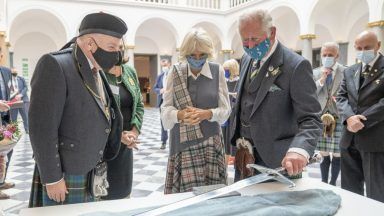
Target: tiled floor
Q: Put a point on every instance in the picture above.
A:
(149, 167)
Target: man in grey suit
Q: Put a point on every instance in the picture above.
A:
(328, 78)
(277, 112)
(75, 122)
(20, 90)
(360, 102)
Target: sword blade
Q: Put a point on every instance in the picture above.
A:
(209, 195)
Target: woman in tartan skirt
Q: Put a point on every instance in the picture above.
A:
(195, 103)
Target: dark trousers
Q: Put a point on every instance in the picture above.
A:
(164, 134)
(24, 115)
(359, 167)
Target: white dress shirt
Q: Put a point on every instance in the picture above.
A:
(219, 114)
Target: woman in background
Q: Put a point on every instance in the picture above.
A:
(231, 69)
(124, 84)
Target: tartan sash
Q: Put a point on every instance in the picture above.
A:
(182, 99)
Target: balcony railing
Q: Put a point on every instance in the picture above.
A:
(209, 4)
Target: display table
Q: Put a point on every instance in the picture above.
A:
(351, 204)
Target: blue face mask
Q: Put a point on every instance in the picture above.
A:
(366, 56)
(259, 51)
(328, 62)
(227, 73)
(197, 64)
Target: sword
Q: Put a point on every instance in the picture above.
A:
(266, 174)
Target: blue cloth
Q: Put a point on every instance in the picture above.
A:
(313, 202)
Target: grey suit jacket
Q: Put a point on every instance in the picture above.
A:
(367, 101)
(69, 132)
(322, 91)
(286, 118)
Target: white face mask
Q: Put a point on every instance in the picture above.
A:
(165, 69)
(328, 62)
(366, 56)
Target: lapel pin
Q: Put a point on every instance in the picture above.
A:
(267, 75)
(274, 72)
(371, 74)
(270, 68)
(375, 70)
(377, 82)
(131, 81)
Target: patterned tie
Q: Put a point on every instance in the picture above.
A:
(329, 79)
(255, 69)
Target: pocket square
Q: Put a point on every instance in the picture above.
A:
(274, 88)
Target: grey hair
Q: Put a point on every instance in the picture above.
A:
(260, 15)
(330, 45)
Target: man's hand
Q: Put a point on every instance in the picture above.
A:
(3, 106)
(57, 191)
(181, 114)
(324, 74)
(294, 163)
(354, 123)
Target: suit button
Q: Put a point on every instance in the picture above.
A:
(58, 165)
(101, 152)
(57, 155)
(107, 130)
(57, 146)
(61, 143)
(72, 145)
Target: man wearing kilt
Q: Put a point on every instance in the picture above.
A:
(328, 78)
(195, 103)
(75, 122)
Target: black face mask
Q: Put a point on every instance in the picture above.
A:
(15, 75)
(105, 59)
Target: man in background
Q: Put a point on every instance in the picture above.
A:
(159, 89)
(5, 78)
(19, 89)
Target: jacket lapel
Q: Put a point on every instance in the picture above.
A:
(375, 72)
(336, 81)
(276, 60)
(88, 79)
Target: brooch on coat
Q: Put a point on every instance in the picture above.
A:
(131, 81)
(272, 71)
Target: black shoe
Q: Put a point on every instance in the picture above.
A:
(162, 146)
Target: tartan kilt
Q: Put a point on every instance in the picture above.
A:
(328, 144)
(77, 191)
(199, 165)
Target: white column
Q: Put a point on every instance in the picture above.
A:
(226, 54)
(307, 46)
(378, 28)
(130, 54)
(225, 4)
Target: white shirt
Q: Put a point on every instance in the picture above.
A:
(219, 114)
(15, 84)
